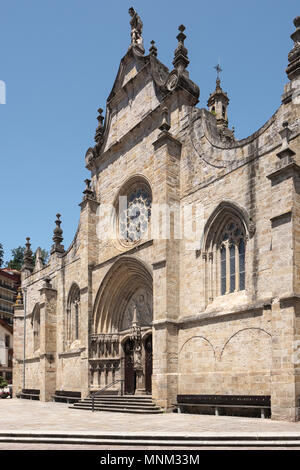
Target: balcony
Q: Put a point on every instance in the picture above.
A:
(6, 309)
(7, 298)
(7, 286)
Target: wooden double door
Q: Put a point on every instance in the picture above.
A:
(129, 372)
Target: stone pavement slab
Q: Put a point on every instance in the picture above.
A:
(26, 415)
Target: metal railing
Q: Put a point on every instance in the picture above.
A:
(93, 394)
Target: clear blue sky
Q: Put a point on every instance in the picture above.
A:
(59, 59)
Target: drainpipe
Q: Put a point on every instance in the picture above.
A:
(24, 339)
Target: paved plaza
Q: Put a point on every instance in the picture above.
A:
(27, 415)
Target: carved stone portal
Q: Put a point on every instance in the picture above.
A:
(143, 301)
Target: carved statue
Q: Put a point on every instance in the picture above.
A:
(136, 28)
(136, 337)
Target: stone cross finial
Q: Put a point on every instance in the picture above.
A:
(181, 60)
(136, 29)
(57, 237)
(218, 69)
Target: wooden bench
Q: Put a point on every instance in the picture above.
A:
(29, 394)
(66, 396)
(219, 402)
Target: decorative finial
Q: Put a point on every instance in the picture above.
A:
(285, 134)
(136, 30)
(285, 152)
(181, 60)
(88, 191)
(47, 283)
(293, 69)
(100, 128)
(165, 126)
(57, 237)
(153, 49)
(28, 259)
(19, 299)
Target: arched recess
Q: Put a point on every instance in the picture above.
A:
(248, 350)
(127, 283)
(73, 315)
(36, 326)
(226, 259)
(198, 352)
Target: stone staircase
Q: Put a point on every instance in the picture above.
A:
(120, 404)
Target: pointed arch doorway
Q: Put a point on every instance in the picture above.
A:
(124, 357)
(148, 364)
(129, 372)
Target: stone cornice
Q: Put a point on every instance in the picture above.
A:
(75, 352)
(290, 169)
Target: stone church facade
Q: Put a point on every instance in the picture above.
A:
(183, 276)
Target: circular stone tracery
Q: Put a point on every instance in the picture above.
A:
(134, 218)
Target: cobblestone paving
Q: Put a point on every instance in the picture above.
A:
(16, 414)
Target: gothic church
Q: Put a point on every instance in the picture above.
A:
(182, 283)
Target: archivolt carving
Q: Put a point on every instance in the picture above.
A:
(129, 280)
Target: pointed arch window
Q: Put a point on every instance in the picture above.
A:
(232, 258)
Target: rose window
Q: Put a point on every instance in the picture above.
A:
(134, 218)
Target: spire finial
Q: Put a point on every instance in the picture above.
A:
(100, 128)
(181, 60)
(293, 69)
(153, 49)
(57, 237)
(28, 259)
(136, 30)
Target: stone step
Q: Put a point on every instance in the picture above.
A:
(117, 409)
(112, 400)
(119, 404)
(116, 405)
(128, 397)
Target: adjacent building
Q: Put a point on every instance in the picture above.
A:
(6, 351)
(10, 280)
